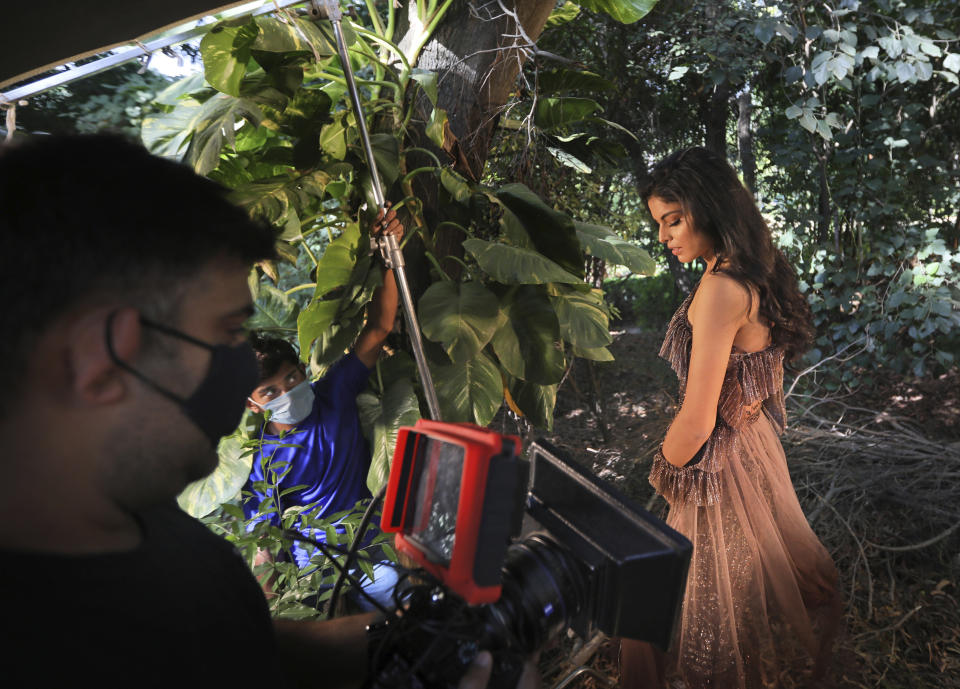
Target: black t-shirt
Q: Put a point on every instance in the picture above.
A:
(182, 609)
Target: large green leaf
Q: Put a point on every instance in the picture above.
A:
(207, 126)
(166, 133)
(226, 52)
(506, 346)
(337, 263)
(303, 115)
(427, 81)
(380, 419)
(583, 317)
(273, 197)
(624, 11)
(536, 401)
(593, 353)
(333, 140)
(313, 321)
(334, 342)
(535, 323)
(552, 232)
(287, 36)
(561, 111)
(471, 391)
(213, 127)
(201, 497)
(563, 80)
(461, 316)
(599, 241)
(274, 310)
(514, 266)
(386, 153)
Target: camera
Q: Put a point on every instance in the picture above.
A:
(511, 552)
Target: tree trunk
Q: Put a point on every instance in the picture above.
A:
(714, 114)
(477, 53)
(748, 161)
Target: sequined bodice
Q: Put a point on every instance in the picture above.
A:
(751, 377)
(752, 385)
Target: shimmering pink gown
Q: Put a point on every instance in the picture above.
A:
(761, 602)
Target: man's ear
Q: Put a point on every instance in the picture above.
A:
(255, 408)
(95, 377)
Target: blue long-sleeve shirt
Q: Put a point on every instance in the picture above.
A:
(330, 459)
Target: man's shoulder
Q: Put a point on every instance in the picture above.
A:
(348, 364)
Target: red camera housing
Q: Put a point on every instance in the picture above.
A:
(454, 500)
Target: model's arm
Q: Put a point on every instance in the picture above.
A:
(383, 307)
(722, 309)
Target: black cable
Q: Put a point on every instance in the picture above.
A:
(352, 553)
(327, 550)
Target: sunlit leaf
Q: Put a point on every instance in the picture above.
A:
(201, 497)
(471, 391)
(226, 51)
(514, 266)
(380, 419)
(462, 317)
(337, 263)
(313, 321)
(602, 242)
(274, 310)
(624, 11)
(583, 317)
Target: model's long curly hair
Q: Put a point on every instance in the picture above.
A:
(717, 204)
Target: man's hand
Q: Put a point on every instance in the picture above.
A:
(387, 223)
(383, 307)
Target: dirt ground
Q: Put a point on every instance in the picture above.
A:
(903, 618)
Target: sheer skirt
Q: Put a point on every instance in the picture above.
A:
(761, 606)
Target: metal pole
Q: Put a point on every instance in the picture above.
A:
(389, 249)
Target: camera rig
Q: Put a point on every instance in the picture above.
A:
(512, 552)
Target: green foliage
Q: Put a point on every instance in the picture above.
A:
(643, 301)
(902, 312)
(853, 130)
(117, 100)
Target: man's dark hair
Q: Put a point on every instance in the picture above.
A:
(272, 354)
(89, 218)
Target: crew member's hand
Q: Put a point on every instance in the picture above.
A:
(478, 674)
(387, 223)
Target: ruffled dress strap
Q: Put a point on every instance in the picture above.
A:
(751, 378)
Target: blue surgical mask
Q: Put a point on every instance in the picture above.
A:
(292, 406)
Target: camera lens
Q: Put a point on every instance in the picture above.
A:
(543, 590)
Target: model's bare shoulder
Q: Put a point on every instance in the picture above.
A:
(720, 300)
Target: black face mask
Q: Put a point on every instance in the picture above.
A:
(217, 404)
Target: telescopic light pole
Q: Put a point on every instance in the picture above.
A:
(388, 246)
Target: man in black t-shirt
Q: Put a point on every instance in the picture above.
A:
(123, 361)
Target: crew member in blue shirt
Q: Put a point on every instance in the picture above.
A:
(314, 428)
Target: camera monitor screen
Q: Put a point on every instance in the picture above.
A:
(454, 499)
(437, 497)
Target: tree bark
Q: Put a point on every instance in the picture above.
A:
(748, 161)
(715, 111)
(477, 53)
